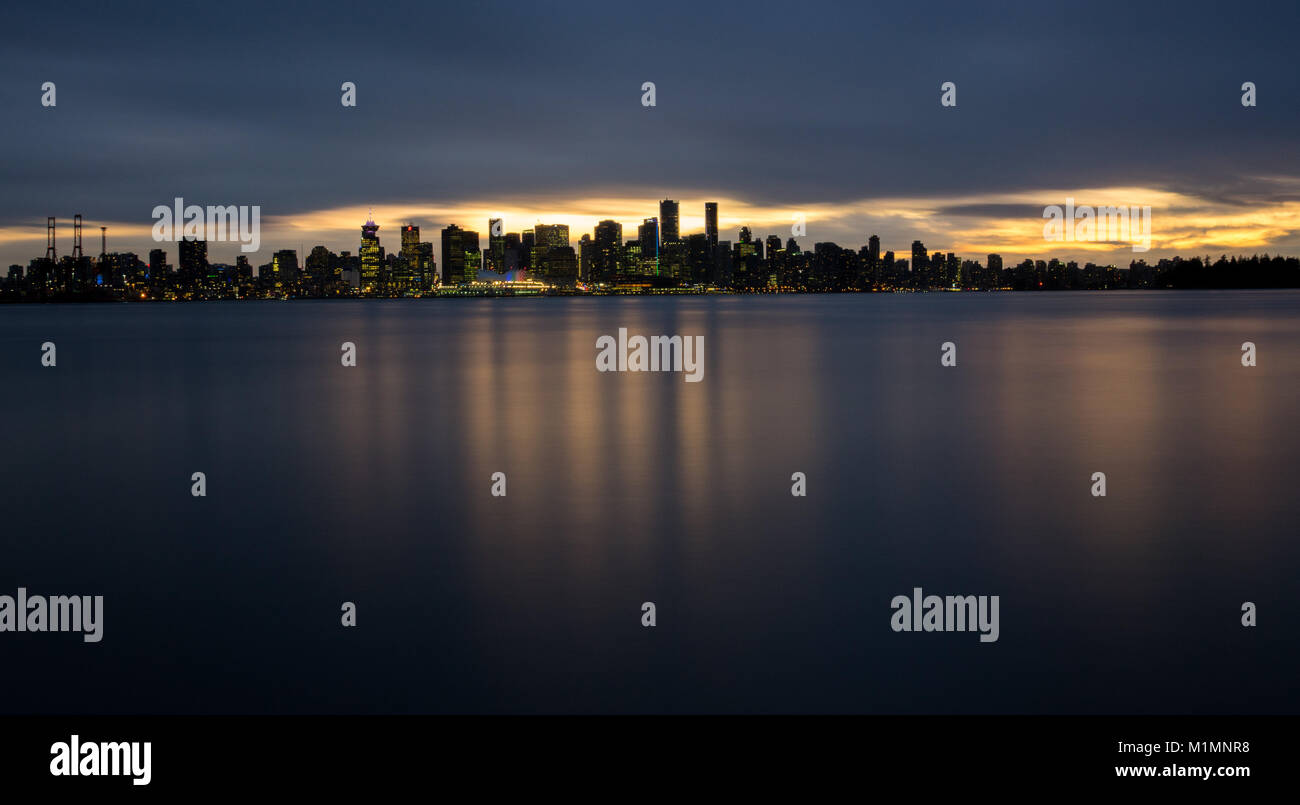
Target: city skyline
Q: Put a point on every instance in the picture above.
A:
(1233, 230)
(658, 256)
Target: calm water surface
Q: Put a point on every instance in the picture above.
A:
(371, 485)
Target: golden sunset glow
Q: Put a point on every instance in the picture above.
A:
(1180, 223)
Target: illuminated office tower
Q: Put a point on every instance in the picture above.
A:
(548, 238)
(648, 235)
(412, 267)
(669, 228)
(411, 244)
(631, 262)
(745, 257)
(284, 269)
(711, 223)
(473, 255)
(496, 253)
(586, 258)
(551, 236)
(773, 246)
(371, 256)
(428, 269)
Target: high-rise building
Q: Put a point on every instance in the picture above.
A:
(669, 227)
(608, 243)
(371, 257)
(648, 235)
(711, 223)
(920, 265)
(745, 269)
(561, 266)
(453, 255)
(527, 240)
(318, 268)
(473, 255)
(513, 259)
(411, 268)
(411, 244)
(546, 239)
(284, 269)
(773, 246)
(699, 259)
(496, 252)
(157, 264)
(191, 260)
(995, 271)
(632, 263)
(586, 258)
(428, 268)
(550, 236)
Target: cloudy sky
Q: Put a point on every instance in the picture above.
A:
(533, 111)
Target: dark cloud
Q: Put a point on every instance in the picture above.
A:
(776, 103)
(992, 210)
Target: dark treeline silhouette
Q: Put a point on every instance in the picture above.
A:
(1250, 272)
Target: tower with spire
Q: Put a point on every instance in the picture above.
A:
(372, 256)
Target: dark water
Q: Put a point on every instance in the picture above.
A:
(371, 484)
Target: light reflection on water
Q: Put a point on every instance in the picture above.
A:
(372, 485)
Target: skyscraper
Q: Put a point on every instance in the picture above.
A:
(411, 244)
(920, 265)
(608, 242)
(411, 268)
(473, 256)
(550, 235)
(548, 238)
(284, 270)
(157, 264)
(711, 223)
(995, 271)
(527, 240)
(513, 255)
(192, 260)
(453, 255)
(371, 256)
(669, 231)
(496, 252)
(648, 235)
(317, 269)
